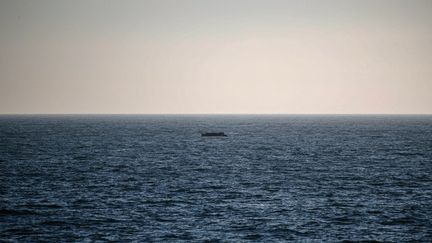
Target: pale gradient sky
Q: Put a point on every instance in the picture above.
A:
(220, 56)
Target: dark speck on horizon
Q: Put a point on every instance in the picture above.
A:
(153, 178)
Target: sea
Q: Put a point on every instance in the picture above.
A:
(273, 178)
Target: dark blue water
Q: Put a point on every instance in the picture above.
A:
(274, 178)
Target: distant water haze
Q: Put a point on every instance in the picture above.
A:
(216, 56)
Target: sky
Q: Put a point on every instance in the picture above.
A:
(212, 57)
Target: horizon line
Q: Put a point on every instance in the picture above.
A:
(221, 114)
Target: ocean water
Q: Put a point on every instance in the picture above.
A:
(273, 178)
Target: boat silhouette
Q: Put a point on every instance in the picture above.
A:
(213, 134)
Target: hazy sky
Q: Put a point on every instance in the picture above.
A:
(202, 56)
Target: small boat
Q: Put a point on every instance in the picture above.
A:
(213, 134)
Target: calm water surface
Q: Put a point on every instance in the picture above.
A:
(274, 178)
